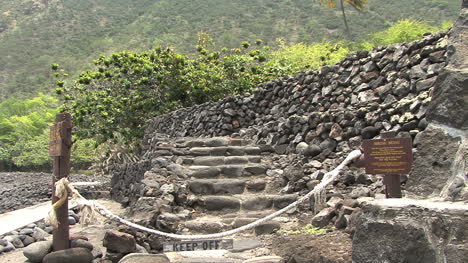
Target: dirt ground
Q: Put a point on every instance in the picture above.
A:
(333, 247)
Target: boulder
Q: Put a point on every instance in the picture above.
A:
(71, 255)
(435, 164)
(119, 242)
(39, 234)
(449, 102)
(416, 231)
(144, 258)
(37, 251)
(323, 218)
(265, 259)
(81, 243)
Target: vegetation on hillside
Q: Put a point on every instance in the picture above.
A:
(111, 100)
(24, 134)
(127, 88)
(34, 34)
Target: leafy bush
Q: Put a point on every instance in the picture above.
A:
(126, 89)
(403, 31)
(296, 57)
(307, 229)
(24, 134)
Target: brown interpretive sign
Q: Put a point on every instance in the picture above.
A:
(55, 144)
(197, 245)
(391, 156)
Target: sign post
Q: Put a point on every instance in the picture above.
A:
(391, 157)
(59, 148)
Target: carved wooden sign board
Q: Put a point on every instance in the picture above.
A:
(389, 156)
(55, 144)
(197, 245)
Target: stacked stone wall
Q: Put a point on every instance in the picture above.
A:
(387, 88)
(320, 114)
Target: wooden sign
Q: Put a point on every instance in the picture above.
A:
(55, 144)
(197, 245)
(389, 156)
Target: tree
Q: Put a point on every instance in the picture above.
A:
(124, 90)
(359, 5)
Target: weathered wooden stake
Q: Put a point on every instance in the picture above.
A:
(60, 145)
(391, 182)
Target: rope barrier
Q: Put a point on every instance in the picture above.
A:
(90, 206)
(62, 194)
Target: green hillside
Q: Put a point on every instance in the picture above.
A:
(36, 33)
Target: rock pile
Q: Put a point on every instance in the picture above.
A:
(20, 190)
(24, 237)
(30, 234)
(80, 251)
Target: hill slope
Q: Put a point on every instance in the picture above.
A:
(36, 33)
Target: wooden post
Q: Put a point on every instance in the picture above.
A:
(60, 146)
(392, 181)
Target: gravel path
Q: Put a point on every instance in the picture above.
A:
(20, 190)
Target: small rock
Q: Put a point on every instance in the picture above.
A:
(114, 257)
(17, 243)
(39, 234)
(369, 132)
(97, 252)
(301, 148)
(26, 231)
(267, 228)
(312, 184)
(145, 258)
(312, 150)
(48, 229)
(359, 192)
(141, 249)
(334, 201)
(71, 221)
(265, 259)
(81, 243)
(74, 215)
(9, 247)
(28, 241)
(323, 218)
(316, 164)
(3, 242)
(78, 236)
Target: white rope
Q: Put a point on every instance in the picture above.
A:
(61, 194)
(327, 179)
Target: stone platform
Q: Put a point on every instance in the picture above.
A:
(409, 230)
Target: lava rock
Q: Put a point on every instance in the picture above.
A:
(37, 251)
(72, 255)
(119, 242)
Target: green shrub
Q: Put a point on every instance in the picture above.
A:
(403, 31)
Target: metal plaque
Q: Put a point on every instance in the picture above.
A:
(390, 156)
(197, 245)
(55, 144)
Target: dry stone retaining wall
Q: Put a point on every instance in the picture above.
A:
(320, 114)
(385, 89)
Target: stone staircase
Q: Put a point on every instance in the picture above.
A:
(228, 184)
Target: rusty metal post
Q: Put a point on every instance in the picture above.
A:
(391, 182)
(60, 146)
